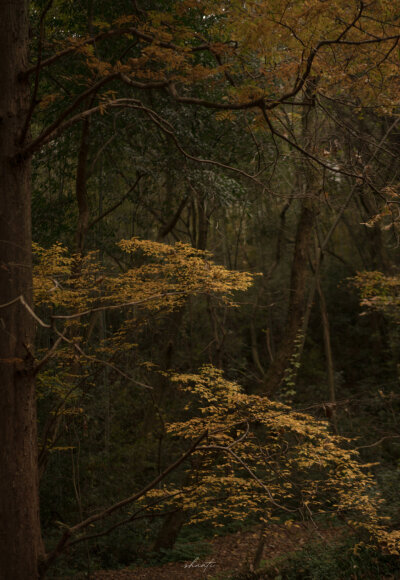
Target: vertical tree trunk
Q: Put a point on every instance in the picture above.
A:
(297, 308)
(20, 538)
(331, 412)
(81, 191)
(297, 300)
(170, 529)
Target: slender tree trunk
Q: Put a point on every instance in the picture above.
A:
(201, 223)
(297, 308)
(20, 538)
(81, 172)
(170, 529)
(81, 191)
(297, 300)
(260, 548)
(331, 412)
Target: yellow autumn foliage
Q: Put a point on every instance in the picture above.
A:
(260, 459)
(70, 292)
(263, 459)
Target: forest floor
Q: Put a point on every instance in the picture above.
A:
(229, 554)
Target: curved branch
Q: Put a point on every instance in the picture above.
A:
(53, 130)
(116, 205)
(137, 515)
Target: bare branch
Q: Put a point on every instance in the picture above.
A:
(51, 131)
(24, 303)
(116, 205)
(100, 361)
(168, 227)
(50, 353)
(137, 515)
(64, 541)
(114, 306)
(377, 442)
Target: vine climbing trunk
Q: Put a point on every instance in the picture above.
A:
(20, 537)
(294, 330)
(297, 301)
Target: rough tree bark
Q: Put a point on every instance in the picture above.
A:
(20, 537)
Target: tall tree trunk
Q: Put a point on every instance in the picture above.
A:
(297, 308)
(20, 538)
(297, 300)
(330, 411)
(81, 191)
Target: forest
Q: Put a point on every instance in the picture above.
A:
(199, 289)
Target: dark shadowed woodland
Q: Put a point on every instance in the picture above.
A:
(199, 289)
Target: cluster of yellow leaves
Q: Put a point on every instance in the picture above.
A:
(262, 458)
(51, 265)
(70, 291)
(379, 292)
(181, 270)
(166, 276)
